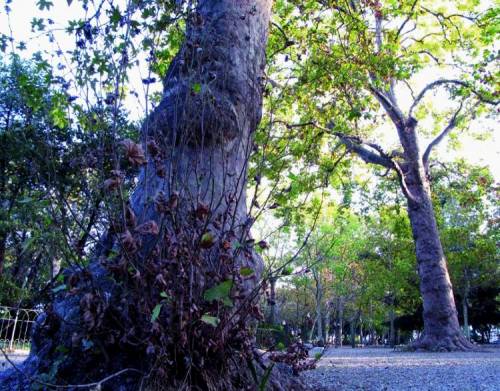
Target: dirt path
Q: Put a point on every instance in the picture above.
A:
(383, 369)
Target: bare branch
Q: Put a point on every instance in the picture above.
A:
(287, 43)
(402, 182)
(378, 30)
(440, 82)
(410, 14)
(355, 144)
(393, 111)
(451, 125)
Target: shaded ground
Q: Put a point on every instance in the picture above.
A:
(17, 357)
(383, 369)
(378, 369)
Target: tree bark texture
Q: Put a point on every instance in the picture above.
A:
(198, 142)
(441, 327)
(465, 303)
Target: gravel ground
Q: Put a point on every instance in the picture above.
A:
(383, 369)
(379, 369)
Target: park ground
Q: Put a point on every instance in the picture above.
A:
(384, 369)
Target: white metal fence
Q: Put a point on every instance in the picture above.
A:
(15, 327)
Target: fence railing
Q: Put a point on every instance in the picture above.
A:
(15, 327)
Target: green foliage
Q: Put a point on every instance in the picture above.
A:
(211, 320)
(156, 312)
(265, 377)
(52, 151)
(220, 292)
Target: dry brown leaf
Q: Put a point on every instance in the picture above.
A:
(128, 242)
(133, 152)
(112, 183)
(130, 219)
(148, 228)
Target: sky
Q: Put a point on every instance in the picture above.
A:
(484, 152)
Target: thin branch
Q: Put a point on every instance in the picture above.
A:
(437, 83)
(440, 16)
(412, 93)
(287, 43)
(410, 14)
(378, 30)
(402, 182)
(451, 125)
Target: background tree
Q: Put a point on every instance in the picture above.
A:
(465, 214)
(357, 58)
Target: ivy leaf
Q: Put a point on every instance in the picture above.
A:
(220, 292)
(25, 200)
(38, 24)
(287, 271)
(156, 312)
(59, 288)
(196, 88)
(133, 152)
(237, 245)
(207, 240)
(44, 4)
(246, 271)
(116, 16)
(211, 320)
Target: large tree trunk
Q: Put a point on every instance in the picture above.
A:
(184, 231)
(465, 304)
(441, 327)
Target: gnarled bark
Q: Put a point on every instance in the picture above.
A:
(199, 140)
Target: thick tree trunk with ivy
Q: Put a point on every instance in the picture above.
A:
(441, 327)
(170, 298)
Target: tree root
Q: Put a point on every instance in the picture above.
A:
(448, 343)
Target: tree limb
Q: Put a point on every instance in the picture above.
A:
(354, 144)
(410, 14)
(437, 83)
(393, 111)
(451, 125)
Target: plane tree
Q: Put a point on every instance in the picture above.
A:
(365, 70)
